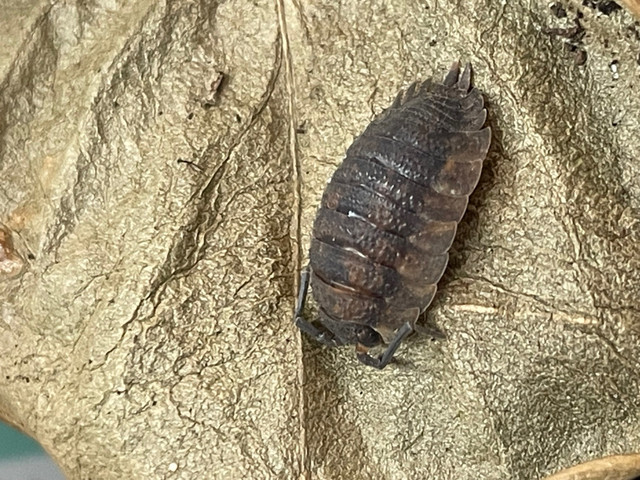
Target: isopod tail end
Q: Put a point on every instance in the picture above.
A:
(452, 77)
(398, 101)
(464, 82)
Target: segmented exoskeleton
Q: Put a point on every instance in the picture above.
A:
(389, 214)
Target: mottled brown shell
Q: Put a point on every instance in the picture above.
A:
(390, 212)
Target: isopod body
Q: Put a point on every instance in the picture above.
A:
(389, 215)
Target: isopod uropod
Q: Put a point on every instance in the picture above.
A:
(388, 216)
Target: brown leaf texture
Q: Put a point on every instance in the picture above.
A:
(614, 467)
(160, 168)
(633, 6)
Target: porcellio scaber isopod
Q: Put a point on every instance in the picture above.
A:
(389, 215)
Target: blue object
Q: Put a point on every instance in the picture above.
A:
(22, 458)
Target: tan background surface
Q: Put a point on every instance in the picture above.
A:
(145, 316)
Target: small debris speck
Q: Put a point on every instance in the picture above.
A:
(614, 69)
(580, 57)
(173, 466)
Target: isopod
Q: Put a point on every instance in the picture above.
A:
(389, 215)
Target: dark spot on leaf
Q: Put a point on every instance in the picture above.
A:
(558, 10)
(605, 7)
(608, 7)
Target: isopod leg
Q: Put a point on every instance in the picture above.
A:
(430, 331)
(386, 357)
(302, 292)
(325, 338)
